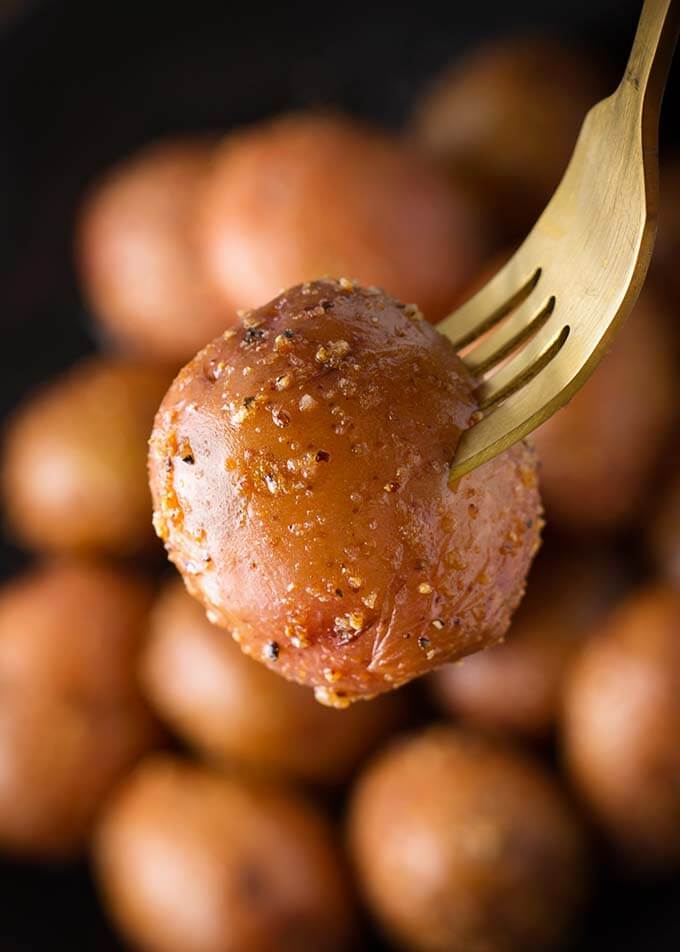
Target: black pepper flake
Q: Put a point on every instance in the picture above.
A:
(271, 650)
(188, 459)
(338, 592)
(322, 456)
(254, 334)
(288, 333)
(326, 304)
(423, 642)
(248, 401)
(529, 523)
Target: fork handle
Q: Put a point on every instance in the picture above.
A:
(645, 77)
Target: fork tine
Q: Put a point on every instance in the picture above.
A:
(519, 328)
(517, 416)
(525, 364)
(506, 290)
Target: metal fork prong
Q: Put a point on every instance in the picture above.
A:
(506, 291)
(519, 328)
(517, 415)
(524, 366)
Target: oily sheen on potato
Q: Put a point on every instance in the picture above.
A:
(299, 469)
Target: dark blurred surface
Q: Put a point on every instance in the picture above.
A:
(82, 84)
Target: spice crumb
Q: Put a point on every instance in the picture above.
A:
(330, 698)
(307, 402)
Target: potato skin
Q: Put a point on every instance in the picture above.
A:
(236, 711)
(504, 121)
(137, 252)
(517, 686)
(300, 485)
(310, 195)
(72, 719)
(187, 859)
(461, 843)
(74, 471)
(599, 453)
(622, 723)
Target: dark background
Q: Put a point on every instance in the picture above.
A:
(83, 82)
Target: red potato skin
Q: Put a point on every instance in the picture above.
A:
(599, 454)
(300, 486)
(236, 711)
(310, 195)
(72, 720)
(621, 727)
(190, 860)
(137, 253)
(74, 468)
(463, 843)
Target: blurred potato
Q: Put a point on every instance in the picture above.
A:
(234, 709)
(72, 719)
(74, 467)
(622, 727)
(461, 843)
(304, 196)
(504, 121)
(137, 252)
(189, 861)
(599, 454)
(517, 686)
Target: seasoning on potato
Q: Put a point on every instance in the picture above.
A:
(74, 470)
(517, 686)
(236, 711)
(504, 121)
(190, 860)
(299, 467)
(137, 253)
(622, 723)
(462, 843)
(72, 720)
(308, 195)
(599, 453)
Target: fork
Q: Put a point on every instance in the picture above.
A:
(533, 335)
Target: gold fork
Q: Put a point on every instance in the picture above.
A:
(534, 334)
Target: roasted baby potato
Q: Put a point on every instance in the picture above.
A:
(622, 723)
(302, 196)
(137, 253)
(74, 472)
(462, 843)
(191, 860)
(299, 467)
(72, 720)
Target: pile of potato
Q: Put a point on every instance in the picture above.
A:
(223, 808)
